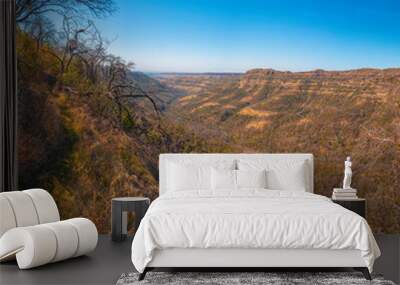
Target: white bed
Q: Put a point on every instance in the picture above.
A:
(249, 227)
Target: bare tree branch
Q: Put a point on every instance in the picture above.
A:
(26, 9)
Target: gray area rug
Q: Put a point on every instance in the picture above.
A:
(228, 278)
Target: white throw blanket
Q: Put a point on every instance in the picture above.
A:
(250, 219)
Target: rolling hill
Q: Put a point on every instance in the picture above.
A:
(331, 114)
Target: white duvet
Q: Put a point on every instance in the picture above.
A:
(250, 219)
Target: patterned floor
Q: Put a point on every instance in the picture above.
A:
(243, 278)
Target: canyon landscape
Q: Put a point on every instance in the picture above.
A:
(91, 126)
(331, 114)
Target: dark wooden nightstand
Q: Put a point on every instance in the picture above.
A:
(357, 205)
(119, 219)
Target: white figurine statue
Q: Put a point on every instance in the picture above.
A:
(347, 173)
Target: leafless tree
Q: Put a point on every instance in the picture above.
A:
(41, 29)
(25, 9)
(121, 88)
(95, 57)
(70, 44)
(78, 38)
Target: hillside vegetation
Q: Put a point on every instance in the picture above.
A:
(84, 141)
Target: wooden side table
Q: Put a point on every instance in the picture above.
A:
(357, 205)
(119, 216)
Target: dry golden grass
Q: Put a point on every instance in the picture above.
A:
(187, 98)
(246, 99)
(205, 105)
(250, 112)
(228, 106)
(257, 125)
(303, 121)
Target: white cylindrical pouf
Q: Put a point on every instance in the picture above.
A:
(45, 205)
(23, 208)
(67, 240)
(33, 246)
(87, 235)
(7, 218)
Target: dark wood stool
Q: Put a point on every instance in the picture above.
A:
(119, 216)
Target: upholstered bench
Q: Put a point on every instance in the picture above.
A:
(31, 230)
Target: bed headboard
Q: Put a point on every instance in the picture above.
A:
(210, 157)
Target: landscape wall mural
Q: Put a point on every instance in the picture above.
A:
(106, 86)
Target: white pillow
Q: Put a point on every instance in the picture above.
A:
(251, 178)
(282, 174)
(185, 178)
(223, 179)
(197, 161)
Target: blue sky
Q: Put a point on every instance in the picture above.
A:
(237, 35)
